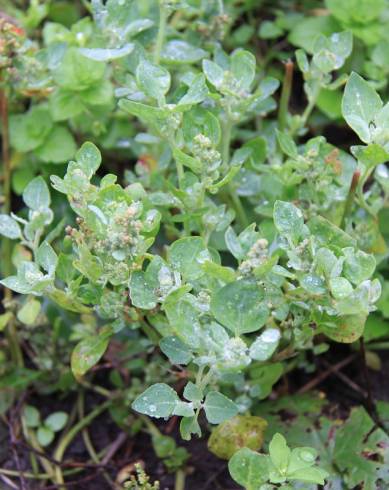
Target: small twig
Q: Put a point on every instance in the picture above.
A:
(347, 380)
(370, 404)
(213, 477)
(8, 482)
(114, 447)
(322, 376)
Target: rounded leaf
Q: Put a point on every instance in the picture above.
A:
(249, 468)
(157, 401)
(239, 307)
(56, 421)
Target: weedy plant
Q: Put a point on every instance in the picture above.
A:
(239, 245)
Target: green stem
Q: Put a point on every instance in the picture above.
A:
(231, 191)
(161, 32)
(46, 465)
(88, 442)
(180, 480)
(350, 198)
(311, 105)
(151, 428)
(11, 332)
(285, 95)
(67, 439)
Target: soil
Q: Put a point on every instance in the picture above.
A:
(204, 470)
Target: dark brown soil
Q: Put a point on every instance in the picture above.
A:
(205, 471)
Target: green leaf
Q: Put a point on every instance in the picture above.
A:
(197, 92)
(31, 416)
(9, 227)
(66, 301)
(141, 293)
(233, 243)
(360, 105)
(189, 426)
(87, 353)
(361, 451)
(313, 284)
(356, 11)
(214, 73)
(358, 265)
(45, 436)
(36, 195)
(288, 219)
(192, 392)
(77, 73)
(29, 130)
(240, 307)
(287, 145)
(107, 54)
(236, 433)
(193, 163)
(153, 80)
(183, 409)
(29, 312)
(279, 453)
(249, 468)
(200, 121)
(187, 254)
(56, 421)
(89, 158)
(331, 52)
(345, 329)
(309, 475)
(301, 458)
(265, 345)
(64, 104)
(218, 407)
(178, 52)
(159, 400)
(58, 147)
(46, 257)
(156, 117)
(328, 234)
(243, 68)
(175, 350)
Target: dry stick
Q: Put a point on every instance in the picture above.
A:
(114, 447)
(14, 440)
(8, 482)
(371, 406)
(347, 380)
(322, 376)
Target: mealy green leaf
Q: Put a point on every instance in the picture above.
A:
(87, 353)
(36, 195)
(239, 306)
(9, 227)
(218, 407)
(159, 400)
(249, 469)
(153, 79)
(175, 350)
(360, 105)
